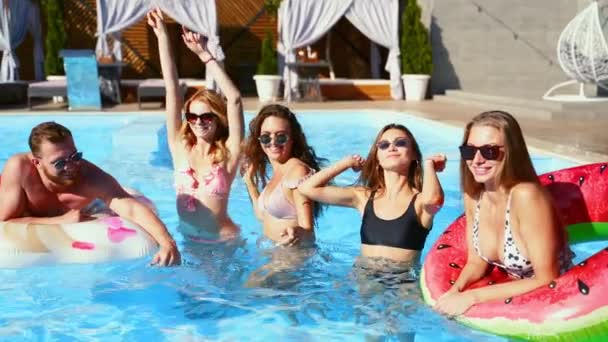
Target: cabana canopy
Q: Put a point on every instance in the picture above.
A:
(303, 22)
(113, 16)
(13, 29)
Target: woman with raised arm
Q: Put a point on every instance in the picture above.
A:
(396, 201)
(205, 144)
(511, 220)
(276, 139)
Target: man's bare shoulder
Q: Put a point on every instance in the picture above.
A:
(19, 163)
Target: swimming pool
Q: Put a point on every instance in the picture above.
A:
(205, 298)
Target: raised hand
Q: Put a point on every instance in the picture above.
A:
(157, 22)
(196, 42)
(354, 162)
(439, 161)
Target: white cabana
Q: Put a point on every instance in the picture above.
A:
(113, 16)
(303, 22)
(13, 30)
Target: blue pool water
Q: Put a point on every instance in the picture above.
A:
(206, 297)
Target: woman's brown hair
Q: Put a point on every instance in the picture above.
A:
(218, 107)
(372, 174)
(300, 148)
(516, 166)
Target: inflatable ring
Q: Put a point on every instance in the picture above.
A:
(105, 238)
(573, 306)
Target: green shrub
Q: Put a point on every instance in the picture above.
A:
(416, 50)
(55, 36)
(268, 61)
(272, 6)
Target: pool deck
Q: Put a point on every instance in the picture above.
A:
(584, 141)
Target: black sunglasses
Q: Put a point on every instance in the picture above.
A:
(399, 142)
(191, 117)
(488, 152)
(62, 163)
(279, 139)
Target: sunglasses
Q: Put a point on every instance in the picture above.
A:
(204, 117)
(488, 152)
(279, 139)
(62, 163)
(385, 144)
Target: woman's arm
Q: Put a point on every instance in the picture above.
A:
(236, 126)
(315, 188)
(174, 100)
(432, 195)
(252, 188)
(475, 267)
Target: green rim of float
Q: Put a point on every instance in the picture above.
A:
(587, 232)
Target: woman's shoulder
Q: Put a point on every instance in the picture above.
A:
(297, 172)
(527, 198)
(526, 192)
(297, 168)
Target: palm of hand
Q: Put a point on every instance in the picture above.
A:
(195, 42)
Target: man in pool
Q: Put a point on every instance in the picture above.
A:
(53, 184)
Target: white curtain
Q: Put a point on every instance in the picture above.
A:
(114, 16)
(199, 16)
(12, 32)
(301, 23)
(379, 21)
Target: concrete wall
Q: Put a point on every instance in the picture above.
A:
(498, 47)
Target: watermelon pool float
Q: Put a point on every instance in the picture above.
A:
(573, 306)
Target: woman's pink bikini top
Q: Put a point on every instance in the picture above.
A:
(214, 184)
(276, 204)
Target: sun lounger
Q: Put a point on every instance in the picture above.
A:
(154, 87)
(47, 89)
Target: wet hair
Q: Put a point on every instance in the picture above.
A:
(300, 149)
(47, 131)
(372, 174)
(218, 107)
(516, 166)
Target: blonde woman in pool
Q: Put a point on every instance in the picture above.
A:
(204, 136)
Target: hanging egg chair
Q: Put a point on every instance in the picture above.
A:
(582, 52)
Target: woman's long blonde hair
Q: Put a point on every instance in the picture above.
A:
(372, 174)
(216, 103)
(517, 165)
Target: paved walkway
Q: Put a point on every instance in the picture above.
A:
(581, 140)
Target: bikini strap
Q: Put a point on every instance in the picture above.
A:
(292, 184)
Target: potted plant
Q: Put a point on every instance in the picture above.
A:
(55, 42)
(416, 53)
(267, 80)
(55, 37)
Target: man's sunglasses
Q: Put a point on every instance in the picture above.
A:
(385, 144)
(62, 163)
(279, 139)
(191, 117)
(488, 152)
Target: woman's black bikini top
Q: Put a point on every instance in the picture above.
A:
(403, 232)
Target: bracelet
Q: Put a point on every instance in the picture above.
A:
(209, 60)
